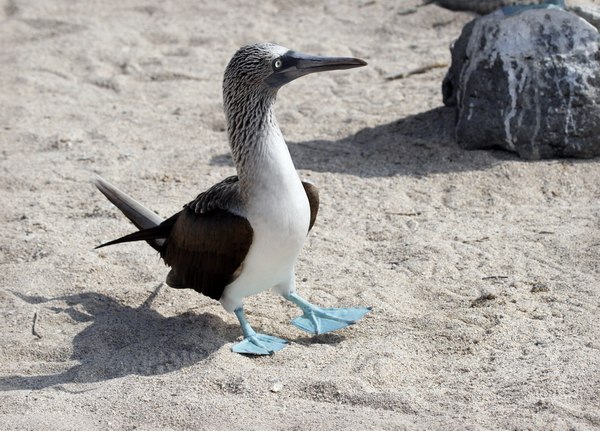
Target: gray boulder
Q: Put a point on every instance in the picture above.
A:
(584, 8)
(527, 81)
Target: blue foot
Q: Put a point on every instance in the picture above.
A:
(317, 320)
(253, 343)
(259, 344)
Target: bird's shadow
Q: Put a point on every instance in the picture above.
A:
(331, 339)
(417, 145)
(120, 340)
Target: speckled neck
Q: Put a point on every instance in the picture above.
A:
(253, 132)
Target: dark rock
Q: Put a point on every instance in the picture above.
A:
(527, 81)
(591, 15)
(479, 6)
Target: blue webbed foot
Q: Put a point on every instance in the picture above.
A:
(319, 320)
(253, 343)
(259, 344)
(323, 320)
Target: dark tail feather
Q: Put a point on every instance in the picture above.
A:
(161, 231)
(144, 219)
(140, 216)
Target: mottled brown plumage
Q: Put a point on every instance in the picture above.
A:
(205, 251)
(206, 243)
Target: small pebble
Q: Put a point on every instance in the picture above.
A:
(277, 386)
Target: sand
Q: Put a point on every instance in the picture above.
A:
(482, 269)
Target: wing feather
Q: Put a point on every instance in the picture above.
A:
(312, 193)
(208, 242)
(206, 250)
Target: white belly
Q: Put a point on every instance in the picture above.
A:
(278, 211)
(277, 208)
(280, 228)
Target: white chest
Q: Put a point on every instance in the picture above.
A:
(277, 204)
(279, 212)
(278, 208)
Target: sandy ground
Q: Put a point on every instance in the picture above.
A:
(482, 269)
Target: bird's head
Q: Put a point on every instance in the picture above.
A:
(266, 67)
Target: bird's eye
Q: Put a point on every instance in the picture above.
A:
(278, 63)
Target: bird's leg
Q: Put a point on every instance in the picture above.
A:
(254, 343)
(319, 320)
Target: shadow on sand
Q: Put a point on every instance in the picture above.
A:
(417, 146)
(122, 340)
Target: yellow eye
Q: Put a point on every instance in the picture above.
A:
(277, 64)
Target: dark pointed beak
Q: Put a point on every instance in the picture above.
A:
(296, 64)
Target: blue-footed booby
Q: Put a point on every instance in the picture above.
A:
(242, 236)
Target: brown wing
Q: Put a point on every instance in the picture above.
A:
(312, 192)
(222, 195)
(205, 251)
